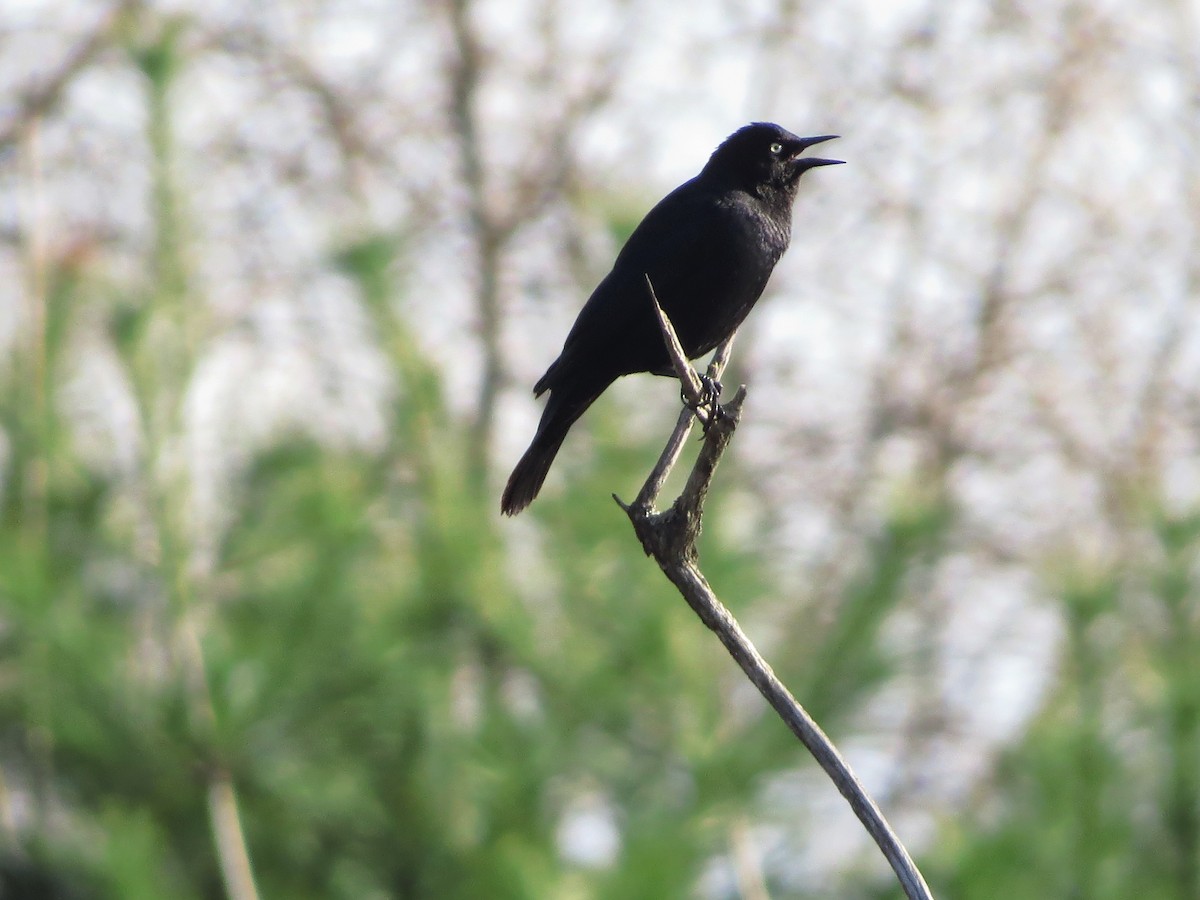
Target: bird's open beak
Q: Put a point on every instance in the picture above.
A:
(803, 164)
(811, 162)
(807, 142)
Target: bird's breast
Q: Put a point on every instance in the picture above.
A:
(710, 296)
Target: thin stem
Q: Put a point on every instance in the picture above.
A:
(168, 354)
(37, 472)
(231, 842)
(692, 388)
(488, 232)
(670, 537)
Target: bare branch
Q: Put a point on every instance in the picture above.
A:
(688, 378)
(693, 389)
(670, 537)
(226, 821)
(40, 99)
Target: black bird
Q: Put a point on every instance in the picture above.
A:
(708, 248)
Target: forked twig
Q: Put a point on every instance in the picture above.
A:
(670, 537)
(692, 390)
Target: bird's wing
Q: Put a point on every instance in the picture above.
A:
(675, 245)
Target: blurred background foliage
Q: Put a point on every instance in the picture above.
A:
(275, 280)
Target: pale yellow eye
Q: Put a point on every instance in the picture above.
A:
(777, 148)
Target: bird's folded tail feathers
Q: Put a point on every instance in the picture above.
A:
(527, 478)
(562, 411)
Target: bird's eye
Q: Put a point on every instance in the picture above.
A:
(777, 148)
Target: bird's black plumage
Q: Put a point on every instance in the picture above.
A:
(708, 248)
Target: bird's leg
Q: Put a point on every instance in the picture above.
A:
(705, 406)
(710, 380)
(710, 391)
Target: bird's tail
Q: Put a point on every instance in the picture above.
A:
(527, 478)
(530, 472)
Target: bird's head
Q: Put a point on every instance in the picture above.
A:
(764, 156)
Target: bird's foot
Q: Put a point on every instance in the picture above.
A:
(708, 408)
(710, 393)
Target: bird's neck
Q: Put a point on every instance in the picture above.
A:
(776, 198)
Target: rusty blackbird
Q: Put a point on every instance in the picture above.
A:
(708, 248)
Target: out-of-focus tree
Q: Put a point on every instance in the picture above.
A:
(275, 278)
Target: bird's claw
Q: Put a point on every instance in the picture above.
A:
(710, 393)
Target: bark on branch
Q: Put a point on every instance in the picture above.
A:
(670, 537)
